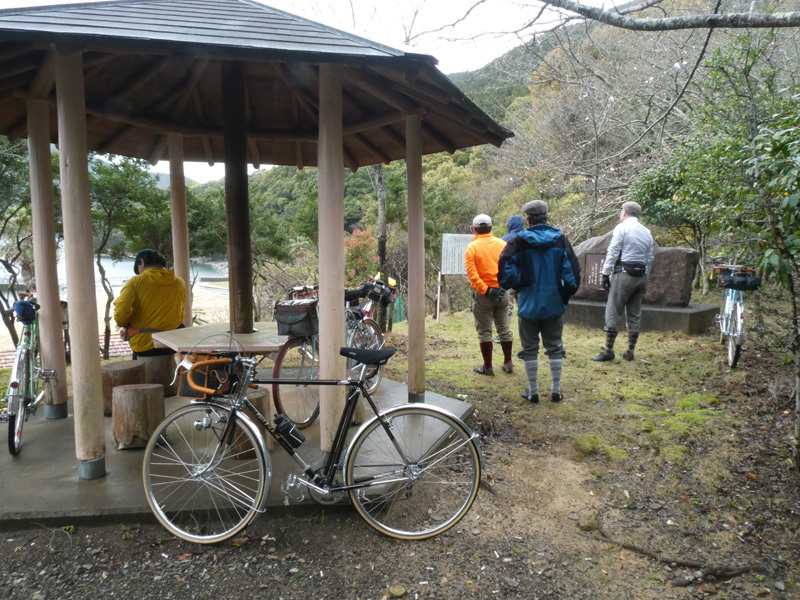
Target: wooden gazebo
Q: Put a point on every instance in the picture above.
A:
(214, 80)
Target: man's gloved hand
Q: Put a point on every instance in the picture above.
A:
(495, 294)
(606, 282)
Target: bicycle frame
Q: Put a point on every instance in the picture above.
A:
(319, 482)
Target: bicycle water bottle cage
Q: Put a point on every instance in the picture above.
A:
(26, 314)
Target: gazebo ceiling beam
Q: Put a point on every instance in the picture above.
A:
(200, 112)
(375, 122)
(306, 100)
(430, 132)
(369, 146)
(382, 91)
(137, 80)
(10, 68)
(180, 105)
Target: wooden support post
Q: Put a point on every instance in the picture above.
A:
(240, 260)
(331, 249)
(44, 257)
(137, 410)
(416, 261)
(87, 390)
(180, 221)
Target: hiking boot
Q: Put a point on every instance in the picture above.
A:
(604, 355)
(556, 397)
(627, 355)
(532, 398)
(508, 367)
(484, 370)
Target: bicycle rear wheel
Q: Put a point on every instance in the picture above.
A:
(736, 336)
(201, 488)
(18, 400)
(367, 335)
(429, 493)
(298, 359)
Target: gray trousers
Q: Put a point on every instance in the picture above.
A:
(625, 297)
(487, 312)
(551, 331)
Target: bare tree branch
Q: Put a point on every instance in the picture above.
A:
(705, 21)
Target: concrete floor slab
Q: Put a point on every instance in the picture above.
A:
(41, 484)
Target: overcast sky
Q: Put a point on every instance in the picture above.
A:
(478, 37)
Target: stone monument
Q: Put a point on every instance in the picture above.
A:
(666, 305)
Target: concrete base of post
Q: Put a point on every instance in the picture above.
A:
(412, 398)
(55, 411)
(92, 469)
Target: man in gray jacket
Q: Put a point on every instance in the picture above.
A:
(628, 258)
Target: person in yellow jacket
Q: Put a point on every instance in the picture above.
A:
(490, 300)
(150, 302)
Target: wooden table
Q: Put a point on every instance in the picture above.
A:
(216, 337)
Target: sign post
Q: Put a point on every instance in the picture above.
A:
(453, 247)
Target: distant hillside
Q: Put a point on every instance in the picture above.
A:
(164, 181)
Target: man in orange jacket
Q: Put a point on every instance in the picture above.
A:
(490, 300)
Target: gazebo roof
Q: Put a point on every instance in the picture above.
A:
(153, 67)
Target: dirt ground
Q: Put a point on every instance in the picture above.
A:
(553, 520)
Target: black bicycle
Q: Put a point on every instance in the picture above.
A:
(412, 471)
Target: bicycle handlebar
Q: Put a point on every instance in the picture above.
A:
(202, 363)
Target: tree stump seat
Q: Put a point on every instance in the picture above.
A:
(123, 372)
(160, 369)
(137, 410)
(261, 398)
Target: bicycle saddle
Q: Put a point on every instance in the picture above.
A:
(368, 357)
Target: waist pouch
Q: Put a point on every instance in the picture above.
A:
(634, 269)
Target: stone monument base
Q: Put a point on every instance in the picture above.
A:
(692, 319)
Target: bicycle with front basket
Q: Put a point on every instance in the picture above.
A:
(736, 280)
(411, 471)
(25, 390)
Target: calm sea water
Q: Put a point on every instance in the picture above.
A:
(118, 272)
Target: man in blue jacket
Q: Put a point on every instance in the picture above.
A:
(541, 264)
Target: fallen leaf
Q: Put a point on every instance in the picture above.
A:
(183, 556)
(241, 541)
(752, 476)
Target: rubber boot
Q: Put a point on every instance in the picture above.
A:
(508, 366)
(486, 352)
(607, 353)
(633, 337)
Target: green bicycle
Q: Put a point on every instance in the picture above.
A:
(25, 390)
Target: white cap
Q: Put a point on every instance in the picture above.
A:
(482, 220)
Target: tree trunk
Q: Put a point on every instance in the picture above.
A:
(107, 314)
(380, 188)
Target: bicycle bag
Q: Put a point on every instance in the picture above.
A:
(26, 314)
(744, 283)
(214, 377)
(297, 318)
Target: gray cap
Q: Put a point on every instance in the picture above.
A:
(482, 220)
(535, 207)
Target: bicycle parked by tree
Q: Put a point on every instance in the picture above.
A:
(411, 471)
(25, 390)
(736, 280)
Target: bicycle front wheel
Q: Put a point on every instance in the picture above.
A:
(201, 487)
(298, 359)
(18, 400)
(419, 478)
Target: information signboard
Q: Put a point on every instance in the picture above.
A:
(453, 247)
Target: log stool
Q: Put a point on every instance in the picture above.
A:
(161, 369)
(138, 408)
(261, 398)
(123, 372)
